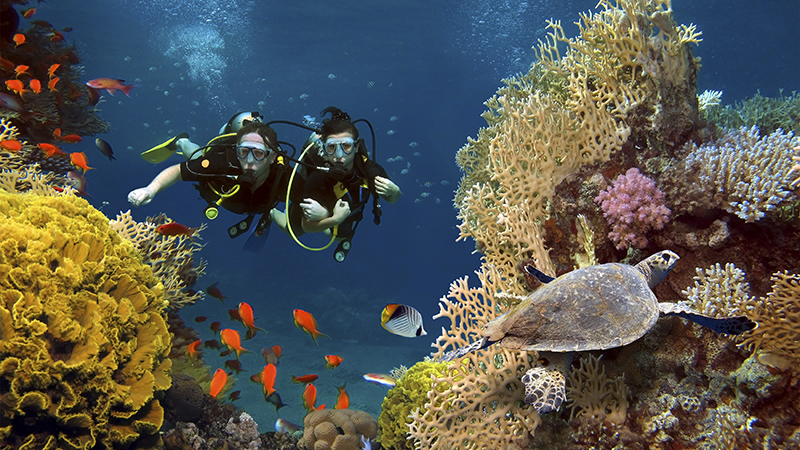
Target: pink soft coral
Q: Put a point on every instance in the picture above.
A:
(633, 205)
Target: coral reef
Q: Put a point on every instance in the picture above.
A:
(83, 338)
(622, 95)
(633, 205)
(409, 393)
(339, 429)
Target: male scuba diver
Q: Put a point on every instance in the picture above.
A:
(334, 198)
(243, 170)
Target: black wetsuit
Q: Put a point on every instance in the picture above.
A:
(354, 189)
(217, 172)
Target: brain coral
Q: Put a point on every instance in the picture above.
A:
(339, 429)
(83, 337)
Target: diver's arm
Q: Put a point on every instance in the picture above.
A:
(387, 189)
(340, 212)
(163, 180)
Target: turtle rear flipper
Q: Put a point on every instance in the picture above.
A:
(725, 325)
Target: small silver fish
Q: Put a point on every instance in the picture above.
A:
(284, 426)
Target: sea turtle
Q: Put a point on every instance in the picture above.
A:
(593, 308)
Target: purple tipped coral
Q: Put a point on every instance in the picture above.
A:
(633, 205)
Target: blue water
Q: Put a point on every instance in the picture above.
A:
(420, 72)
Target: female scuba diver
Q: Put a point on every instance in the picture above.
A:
(249, 177)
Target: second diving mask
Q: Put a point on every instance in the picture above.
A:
(339, 147)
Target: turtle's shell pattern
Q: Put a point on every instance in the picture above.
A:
(594, 308)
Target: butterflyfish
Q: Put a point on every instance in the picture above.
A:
(402, 320)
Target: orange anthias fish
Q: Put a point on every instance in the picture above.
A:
(71, 138)
(268, 378)
(50, 149)
(79, 160)
(193, 350)
(22, 69)
(16, 87)
(232, 339)
(246, 316)
(11, 145)
(51, 85)
(306, 321)
(19, 39)
(218, 382)
(332, 361)
(175, 229)
(343, 400)
(111, 85)
(52, 70)
(310, 398)
(305, 379)
(36, 86)
(215, 292)
(27, 13)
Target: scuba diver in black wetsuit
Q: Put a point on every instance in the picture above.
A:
(245, 173)
(334, 198)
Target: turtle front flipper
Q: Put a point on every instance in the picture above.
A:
(725, 325)
(459, 352)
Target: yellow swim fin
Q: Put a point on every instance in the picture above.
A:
(162, 152)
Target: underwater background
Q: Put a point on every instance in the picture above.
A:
(420, 72)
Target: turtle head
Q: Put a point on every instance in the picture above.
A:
(656, 266)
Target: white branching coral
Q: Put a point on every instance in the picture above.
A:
(718, 290)
(743, 173)
(591, 393)
(708, 99)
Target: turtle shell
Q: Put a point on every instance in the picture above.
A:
(594, 308)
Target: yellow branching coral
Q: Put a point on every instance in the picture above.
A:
(480, 400)
(778, 318)
(482, 406)
(8, 130)
(171, 257)
(591, 393)
(83, 338)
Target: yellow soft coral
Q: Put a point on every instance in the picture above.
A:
(83, 338)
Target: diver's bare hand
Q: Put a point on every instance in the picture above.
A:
(387, 188)
(341, 211)
(141, 196)
(313, 211)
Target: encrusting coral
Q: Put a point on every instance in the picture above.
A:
(409, 393)
(338, 429)
(83, 337)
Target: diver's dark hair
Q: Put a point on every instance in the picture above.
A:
(339, 122)
(265, 131)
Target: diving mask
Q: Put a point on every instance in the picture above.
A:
(339, 147)
(258, 152)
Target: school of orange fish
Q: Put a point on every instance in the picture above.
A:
(231, 339)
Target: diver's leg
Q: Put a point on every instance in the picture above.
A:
(188, 148)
